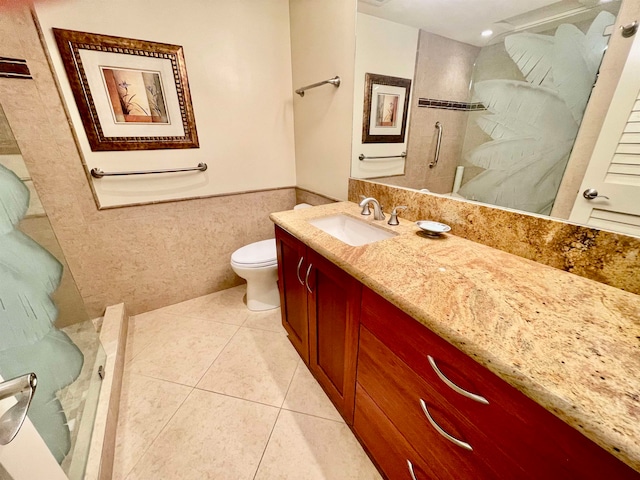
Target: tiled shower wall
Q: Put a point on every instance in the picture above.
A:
(147, 256)
(443, 72)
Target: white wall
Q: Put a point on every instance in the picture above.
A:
(239, 66)
(323, 46)
(383, 48)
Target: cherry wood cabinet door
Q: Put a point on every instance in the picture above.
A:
(334, 316)
(292, 266)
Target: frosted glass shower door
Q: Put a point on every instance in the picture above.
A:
(44, 329)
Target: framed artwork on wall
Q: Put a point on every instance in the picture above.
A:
(131, 94)
(386, 103)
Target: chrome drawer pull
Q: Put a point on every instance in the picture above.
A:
(298, 270)
(306, 279)
(410, 465)
(440, 430)
(453, 386)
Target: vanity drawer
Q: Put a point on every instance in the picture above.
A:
(385, 444)
(398, 391)
(532, 438)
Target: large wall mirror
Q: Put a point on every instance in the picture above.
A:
(499, 90)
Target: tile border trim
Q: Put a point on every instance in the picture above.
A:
(451, 105)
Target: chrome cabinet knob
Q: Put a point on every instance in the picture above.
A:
(591, 193)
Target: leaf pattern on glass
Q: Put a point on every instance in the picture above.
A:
(533, 124)
(29, 341)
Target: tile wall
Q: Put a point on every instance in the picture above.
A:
(443, 71)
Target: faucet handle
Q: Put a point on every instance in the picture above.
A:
(393, 220)
(365, 207)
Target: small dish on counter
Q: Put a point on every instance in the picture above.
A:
(434, 229)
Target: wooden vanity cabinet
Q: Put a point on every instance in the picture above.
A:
(413, 388)
(321, 313)
(511, 436)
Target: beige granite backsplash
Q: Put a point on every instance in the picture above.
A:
(606, 257)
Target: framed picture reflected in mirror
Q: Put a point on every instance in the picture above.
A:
(386, 103)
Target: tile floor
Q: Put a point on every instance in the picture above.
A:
(214, 391)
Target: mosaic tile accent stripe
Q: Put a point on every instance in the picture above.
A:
(14, 68)
(451, 105)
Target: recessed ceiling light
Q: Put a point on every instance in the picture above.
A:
(487, 33)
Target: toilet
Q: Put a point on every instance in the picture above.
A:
(257, 263)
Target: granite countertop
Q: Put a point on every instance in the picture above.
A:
(570, 344)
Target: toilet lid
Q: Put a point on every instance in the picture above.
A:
(258, 254)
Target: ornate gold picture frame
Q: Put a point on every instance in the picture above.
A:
(131, 94)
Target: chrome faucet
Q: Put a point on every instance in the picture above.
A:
(378, 214)
(394, 215)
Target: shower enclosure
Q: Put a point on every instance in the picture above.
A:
(535, 88)
(44, 328)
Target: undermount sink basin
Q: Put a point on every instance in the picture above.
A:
(350, 230)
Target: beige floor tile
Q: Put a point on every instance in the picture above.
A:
(146, 405)
(156, 327)
(304, 447)
(226, 306)
(255, 365)
(210, 437)
(269, 320)
(184, 352)
(305, 395)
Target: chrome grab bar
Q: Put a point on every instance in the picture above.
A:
(298, 271)
(453, 386)
(335, 81)
(437, 155)
(306, 279)
(98, 173)
(441, 431)
(411, 472)
(362, 157)
(12, 420)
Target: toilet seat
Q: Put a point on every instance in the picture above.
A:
(256, 255)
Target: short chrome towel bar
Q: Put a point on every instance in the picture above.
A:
(437, 155)
(335, 81)
(98, 173)
(362, 157)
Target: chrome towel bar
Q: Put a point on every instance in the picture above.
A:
(362, 157)
(98, 173)
(335, 81)
(437, 155)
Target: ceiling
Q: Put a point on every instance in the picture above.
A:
(465, 20)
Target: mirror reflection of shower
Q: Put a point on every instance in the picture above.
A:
(531, 121)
